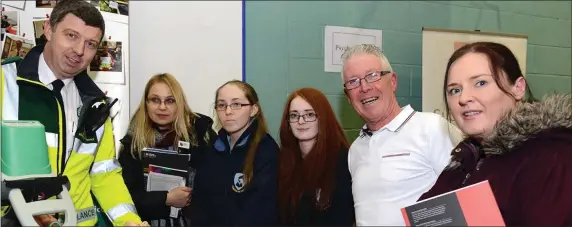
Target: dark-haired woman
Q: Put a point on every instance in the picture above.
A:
(522, 147)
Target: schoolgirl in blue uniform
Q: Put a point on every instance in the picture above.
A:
(236, 183)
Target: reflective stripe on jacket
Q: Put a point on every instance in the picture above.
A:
(91, 167)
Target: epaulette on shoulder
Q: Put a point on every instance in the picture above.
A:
(9, 60)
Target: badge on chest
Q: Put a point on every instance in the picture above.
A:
(238, 184)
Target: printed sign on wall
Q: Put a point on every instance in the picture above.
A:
(338, 39)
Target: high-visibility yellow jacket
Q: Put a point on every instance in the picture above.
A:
(92, 165)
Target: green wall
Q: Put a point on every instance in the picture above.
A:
(284, 44)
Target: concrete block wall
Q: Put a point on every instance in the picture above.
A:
(284, 44)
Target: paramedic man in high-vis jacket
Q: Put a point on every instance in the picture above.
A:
(74, 32)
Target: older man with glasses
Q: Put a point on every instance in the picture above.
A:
(400, 152)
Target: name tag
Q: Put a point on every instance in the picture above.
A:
(184, 144)
(86, 214)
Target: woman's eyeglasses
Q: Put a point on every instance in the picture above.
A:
(308, 117)
(158, 101)
(233, 106)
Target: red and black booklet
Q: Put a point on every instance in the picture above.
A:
(474, 205)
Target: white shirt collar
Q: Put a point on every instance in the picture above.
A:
(400, 119)
(46, 75)
(397, 122)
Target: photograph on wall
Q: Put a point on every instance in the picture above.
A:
(110, 65)
(107, 58)
(46, 3)
(39, 36)
(117, 7)
(14, 45)
(10, 20)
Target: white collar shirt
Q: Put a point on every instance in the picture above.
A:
(70, 96)
(394, 166)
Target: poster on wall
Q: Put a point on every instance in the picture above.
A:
(107, 58)
(14, 45)
(110, 6)
(10, 21)
(18, 4)
(50, 4)
(338, 39)
(108, 65)
(39, 36)
(439, 45)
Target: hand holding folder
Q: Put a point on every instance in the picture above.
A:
(166, 170)
(179, 197)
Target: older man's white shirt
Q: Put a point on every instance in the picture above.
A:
(397, 164)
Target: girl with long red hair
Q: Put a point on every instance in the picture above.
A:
(314, 183)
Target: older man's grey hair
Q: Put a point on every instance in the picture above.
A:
(366, 49)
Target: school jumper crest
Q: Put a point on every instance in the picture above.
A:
(238, 185)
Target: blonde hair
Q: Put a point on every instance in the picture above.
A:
(140, 126)
(365, 49)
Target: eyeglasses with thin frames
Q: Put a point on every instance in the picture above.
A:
(233, 106)
(157, 101)
(369, 78)
(308, 117)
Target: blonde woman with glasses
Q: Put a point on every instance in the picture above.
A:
(161, 121)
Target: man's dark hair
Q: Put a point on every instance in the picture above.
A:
(79, 8)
